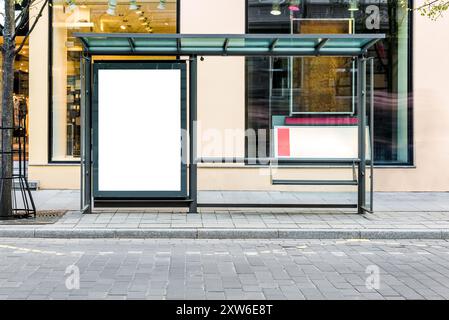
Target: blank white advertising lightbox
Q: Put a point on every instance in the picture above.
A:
(139, 130)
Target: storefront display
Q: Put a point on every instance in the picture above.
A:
(301, 90)
(147, 16)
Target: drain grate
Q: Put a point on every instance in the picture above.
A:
(50, 213)
(42, 217)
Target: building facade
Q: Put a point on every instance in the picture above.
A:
(237, 95)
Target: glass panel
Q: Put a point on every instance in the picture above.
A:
(203, 42)
(322, 84)
(308, 43)
(344, 43)
(249, 43)
(319, 90)
(107, 42)
(100, 17)
(154, 42)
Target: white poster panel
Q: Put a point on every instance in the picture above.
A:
(318, 142)
(139, 130)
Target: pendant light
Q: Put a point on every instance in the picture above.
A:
(294, 5)
(276, 9)
(353, 5)
(133, 5)
(112, 4)
(162, 4)
(71, 5)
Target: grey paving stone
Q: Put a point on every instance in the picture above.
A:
(203, 269)
(237, 234)
(319, 234)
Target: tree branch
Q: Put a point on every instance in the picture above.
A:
(24, 14)
(426, 4)
(34, 3)
(32, 28)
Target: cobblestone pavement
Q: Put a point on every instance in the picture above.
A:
(223, 269)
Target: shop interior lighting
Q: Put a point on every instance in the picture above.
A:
(162, 4)
(353, 5)
(112, 4)
(276, 9)
(133, 5)
(294, 5)
(71, 5)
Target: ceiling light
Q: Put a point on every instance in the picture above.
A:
(71, 4)
(294, 5)
(161, 5)
(133, 5)
(276, 9)
(112, 4)
(123, 27)
(353, 5)
(142, 18)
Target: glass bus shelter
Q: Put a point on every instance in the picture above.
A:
(117, 94)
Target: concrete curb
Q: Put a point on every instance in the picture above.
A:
(217, 233)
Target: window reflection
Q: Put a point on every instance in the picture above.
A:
(314, 90)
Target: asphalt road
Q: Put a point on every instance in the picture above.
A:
(223, 269)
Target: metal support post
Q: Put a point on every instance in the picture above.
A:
(371, 126)
(193, 184)
(85, 147)
(361, 105)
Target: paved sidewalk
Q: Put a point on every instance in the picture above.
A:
(383, 201)
(404, 215)
(241, 225)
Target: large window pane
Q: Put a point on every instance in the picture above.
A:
(147, 16)
(291, 91)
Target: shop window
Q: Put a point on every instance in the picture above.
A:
(115, 16)
(290, 91)
(21, 77)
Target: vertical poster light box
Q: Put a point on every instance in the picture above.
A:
(138, 121)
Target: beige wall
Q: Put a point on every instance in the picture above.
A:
(38, 88)
(219, 112)
(431, 112)
(221, 106)
(54, 175)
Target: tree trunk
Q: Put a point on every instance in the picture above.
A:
(7, 119)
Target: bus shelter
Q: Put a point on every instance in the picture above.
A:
(110, 99)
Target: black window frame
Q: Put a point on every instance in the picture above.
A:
(410, 97)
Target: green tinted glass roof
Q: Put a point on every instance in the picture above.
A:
(228, 44)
